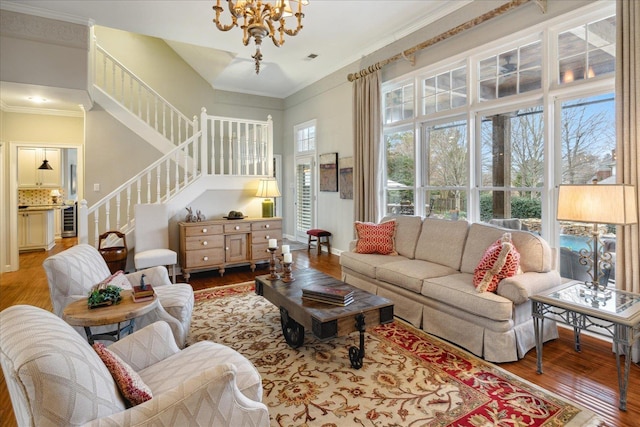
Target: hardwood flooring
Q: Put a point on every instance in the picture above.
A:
(588, 378)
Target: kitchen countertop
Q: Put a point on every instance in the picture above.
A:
(31, 208)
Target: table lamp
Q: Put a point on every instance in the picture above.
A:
(597, 204)
(267, 189)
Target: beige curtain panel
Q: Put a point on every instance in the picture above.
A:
(628, 143)
(367, 165)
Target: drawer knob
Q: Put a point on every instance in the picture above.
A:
(266, 226)
(237, 227)
(266, 237)
(205, 243)
(204, 230)
(205, 258)
(227, 248)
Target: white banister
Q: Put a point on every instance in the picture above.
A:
(140, 99)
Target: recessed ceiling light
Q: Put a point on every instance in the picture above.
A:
(312, 56)
(37, 99)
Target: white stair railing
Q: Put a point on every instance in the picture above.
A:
(157, 183)
(121, 84)
(224, 146)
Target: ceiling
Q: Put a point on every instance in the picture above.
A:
(338, 32)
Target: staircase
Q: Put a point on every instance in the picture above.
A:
(198, 154)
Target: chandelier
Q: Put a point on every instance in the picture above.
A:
(259, 21)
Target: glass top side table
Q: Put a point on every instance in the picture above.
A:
(617, 317)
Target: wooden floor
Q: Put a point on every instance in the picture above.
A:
(588, 378)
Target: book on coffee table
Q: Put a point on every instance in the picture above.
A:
(341, 303)
(329, 294)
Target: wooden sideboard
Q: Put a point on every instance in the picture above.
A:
(207, 245)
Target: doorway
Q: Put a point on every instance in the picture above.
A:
(305, 196)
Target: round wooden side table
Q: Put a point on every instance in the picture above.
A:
(78, 313)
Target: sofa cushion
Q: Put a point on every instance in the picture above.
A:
(457, 290)
(409, 274)
(407, 231)
(133, 389)
(500, 260)
(376, 238)
(535, 253)
(366, 264)
(442, 241)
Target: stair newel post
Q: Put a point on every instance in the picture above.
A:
(204, 137)
(194, 149)
(83, 222)
(168, 183)
(158, 188)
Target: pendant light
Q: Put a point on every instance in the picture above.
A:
(45, 163)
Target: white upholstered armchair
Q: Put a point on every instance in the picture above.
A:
(72, 273)
(55, 378)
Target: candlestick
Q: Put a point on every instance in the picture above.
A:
(273, 243)
(272, 265)
(287, 258)
(285, 249)
(288, 277)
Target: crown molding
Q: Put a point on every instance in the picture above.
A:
(33, 27)
(43, 13)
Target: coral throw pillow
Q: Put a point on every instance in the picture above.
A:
(499, 261)
(133, 389)
(118, 279)
(376, 238)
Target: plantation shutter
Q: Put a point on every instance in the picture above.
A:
(304, 194)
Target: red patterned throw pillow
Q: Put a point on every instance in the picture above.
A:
(376, 238)
(133, 389)
(499, 261)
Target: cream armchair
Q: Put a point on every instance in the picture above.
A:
(55, 378)
(72, 273)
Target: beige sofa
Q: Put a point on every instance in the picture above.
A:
(430, 282)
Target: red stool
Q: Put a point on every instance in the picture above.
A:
(321, 237)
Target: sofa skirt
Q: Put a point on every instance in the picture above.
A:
(494, 341)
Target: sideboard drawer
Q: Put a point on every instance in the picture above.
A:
(204, 229)
(266, 225)
(205, 257)
(238, 227)
(204, 242)
(258, 237)
(259, 251)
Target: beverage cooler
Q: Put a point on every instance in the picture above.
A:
(69, 221)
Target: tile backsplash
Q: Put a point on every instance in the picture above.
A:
(38, 197)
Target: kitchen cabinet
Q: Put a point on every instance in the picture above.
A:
(214, 244)
(36, 230)
(30, 159)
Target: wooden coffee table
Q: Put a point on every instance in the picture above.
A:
(78, 313)
(325, 321)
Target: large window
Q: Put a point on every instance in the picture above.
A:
(494, 131)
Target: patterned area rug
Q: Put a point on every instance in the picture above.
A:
(408, 379)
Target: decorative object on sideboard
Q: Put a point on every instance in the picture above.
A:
(197, 217)
(597, 204)
(235, 215)
(268, 189)
(260, 18)
(200, 216)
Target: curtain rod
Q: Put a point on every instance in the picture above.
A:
(405, 54)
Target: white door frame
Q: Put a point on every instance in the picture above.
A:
(13, 255)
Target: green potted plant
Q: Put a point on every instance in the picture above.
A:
(102, 296)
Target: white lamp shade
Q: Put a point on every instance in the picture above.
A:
(267, 188)
(598, 203)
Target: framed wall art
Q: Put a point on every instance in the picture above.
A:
(329, 172)
(346, 177)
